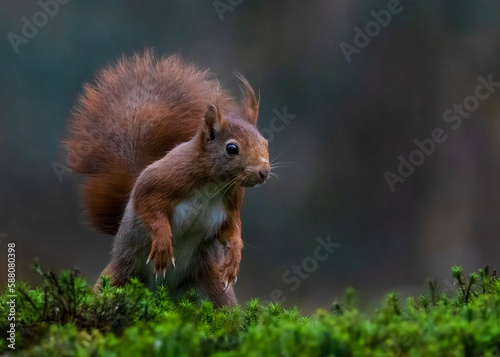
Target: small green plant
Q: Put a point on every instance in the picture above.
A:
(64, 317)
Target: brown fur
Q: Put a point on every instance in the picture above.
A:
(195, 164)
(130, 116)
(161, 127)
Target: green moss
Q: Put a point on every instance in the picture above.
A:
(63, 317)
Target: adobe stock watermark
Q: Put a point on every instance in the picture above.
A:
(221, 7)
(11, 295)
(297, 273)
(30, 27)
(373, 28)
(454, 117)
(277, 124)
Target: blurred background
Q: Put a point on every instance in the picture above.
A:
(360, 81)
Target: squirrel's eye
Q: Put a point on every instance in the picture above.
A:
(232, 149)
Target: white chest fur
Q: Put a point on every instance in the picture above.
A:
(201, 215)
(193, 221)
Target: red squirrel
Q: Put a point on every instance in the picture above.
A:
(166, 153)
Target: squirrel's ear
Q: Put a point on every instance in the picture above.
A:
(213, 121)
(211, 115)
(249, 103)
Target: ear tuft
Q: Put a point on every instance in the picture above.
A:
(249, 103)
(213, 122)
(211, 116)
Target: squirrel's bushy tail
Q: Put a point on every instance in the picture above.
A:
(131, 115)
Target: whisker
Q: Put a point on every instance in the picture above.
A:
(282, 199)
(274, 176)
(281, 164)
(225, 186)
(279, 167)
(234, 183)
(277, 156)
(250, 245)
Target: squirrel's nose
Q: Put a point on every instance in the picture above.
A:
(264, 174)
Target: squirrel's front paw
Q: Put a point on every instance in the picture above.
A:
(230, 269)
(161, 253)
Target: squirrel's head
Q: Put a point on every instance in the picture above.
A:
(235, 149)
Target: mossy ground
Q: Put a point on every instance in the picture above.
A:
(64, 318)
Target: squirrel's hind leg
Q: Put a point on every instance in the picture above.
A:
(217, 293)
(210, 276)
(129, 256)
(116, 279)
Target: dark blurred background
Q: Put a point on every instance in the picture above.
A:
(354, 115)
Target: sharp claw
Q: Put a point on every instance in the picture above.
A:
(226, 285)
(235, 280)
(173, 262)
(156, 277)
(147, 261)
(164, 272)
